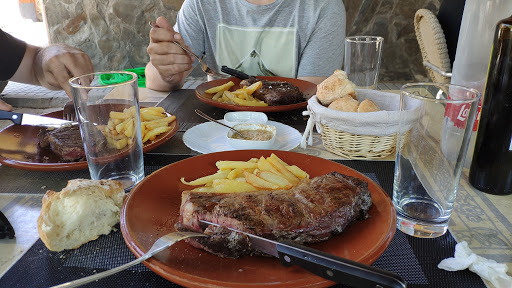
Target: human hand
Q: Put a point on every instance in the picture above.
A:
(4, 106)
(56, 64)
(171, 62)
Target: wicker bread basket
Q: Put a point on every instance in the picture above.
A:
(355, 135)
(353, 146)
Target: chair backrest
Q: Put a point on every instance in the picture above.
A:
(432, 44)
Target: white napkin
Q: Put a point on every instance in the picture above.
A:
(488, 269)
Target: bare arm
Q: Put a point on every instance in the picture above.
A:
(169, 65)
(52, 66)
(25, 72)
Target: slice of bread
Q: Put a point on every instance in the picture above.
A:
(345, 104)
(79, 213)
(335, 87)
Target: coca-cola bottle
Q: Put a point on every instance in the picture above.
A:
(491, 166)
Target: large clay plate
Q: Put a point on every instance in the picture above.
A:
(19, 148)
(307, 88)
(152, 209)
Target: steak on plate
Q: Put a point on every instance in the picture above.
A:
(310, 212)
(275, 93)
(67, 142)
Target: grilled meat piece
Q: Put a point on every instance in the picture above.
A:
(310, 212)
(275, 93)
(67, 142)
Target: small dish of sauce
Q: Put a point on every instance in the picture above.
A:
(254, 135)
(257, 136)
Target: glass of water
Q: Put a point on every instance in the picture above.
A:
(430, 154)
(362, 60)
(107, 106)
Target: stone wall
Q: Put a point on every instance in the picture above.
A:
(115, 33)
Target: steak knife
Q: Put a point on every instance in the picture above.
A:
(34, 120)
(330, 267)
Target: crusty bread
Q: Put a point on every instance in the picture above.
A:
(368, 105)
(345, 104)
(81, 212)
(335, 87)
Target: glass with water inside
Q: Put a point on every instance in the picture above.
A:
(430, 154)
(107, 106)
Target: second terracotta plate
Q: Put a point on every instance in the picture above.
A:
(19, 148)
(152, 209)
(307, 88)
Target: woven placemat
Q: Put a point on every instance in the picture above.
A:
(18, 181)
(412, 258)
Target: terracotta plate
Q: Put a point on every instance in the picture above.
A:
(152, 209)
(307, 88)
(19, 148)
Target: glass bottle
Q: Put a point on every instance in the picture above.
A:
(491, 166)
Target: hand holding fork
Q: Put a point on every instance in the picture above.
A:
(203, 64)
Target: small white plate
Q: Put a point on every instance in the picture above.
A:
(210, 137)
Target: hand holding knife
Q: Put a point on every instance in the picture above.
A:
(325, 265)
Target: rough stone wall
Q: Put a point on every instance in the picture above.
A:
(115, 33)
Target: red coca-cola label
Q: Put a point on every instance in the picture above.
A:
(475, 127)
(459, 113)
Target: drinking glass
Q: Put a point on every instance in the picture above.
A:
(362, 60)
(430, 154)
(107, 107)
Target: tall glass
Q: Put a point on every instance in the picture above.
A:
(107, 106)
(430, 154)
(362, 60)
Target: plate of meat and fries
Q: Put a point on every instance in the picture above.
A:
(153, 208)
(240, 102)
(19, 144)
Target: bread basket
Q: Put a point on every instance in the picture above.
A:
(355, 135)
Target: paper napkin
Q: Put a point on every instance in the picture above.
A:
(488, 269)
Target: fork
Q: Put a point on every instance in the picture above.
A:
(68, 113)
(160, 244)
(203, 64)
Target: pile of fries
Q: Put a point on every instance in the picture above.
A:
(269, 173)
(120, 129)
(242, 96)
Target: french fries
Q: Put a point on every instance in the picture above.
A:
(269, 173)
(120, 129)
(242, 96)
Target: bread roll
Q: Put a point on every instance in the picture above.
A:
(368, 106)
(335, 87)
(81, 212)
(345, 104)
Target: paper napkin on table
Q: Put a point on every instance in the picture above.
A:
(490, 270)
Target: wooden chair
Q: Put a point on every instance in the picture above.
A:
(433, 48)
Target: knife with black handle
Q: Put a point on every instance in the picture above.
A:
(328, 266)
(335, 268)
(33, 120)
(234, 72)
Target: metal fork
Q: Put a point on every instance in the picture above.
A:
(68, 113)
(203, 64)
(160, 244)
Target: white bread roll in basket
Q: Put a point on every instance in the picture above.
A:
(357, 135)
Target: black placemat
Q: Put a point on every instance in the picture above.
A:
(19, 181)
(412, 258)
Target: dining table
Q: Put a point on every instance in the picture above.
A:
(482, 220)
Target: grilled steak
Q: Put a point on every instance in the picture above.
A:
(310, 212)
(67, 142)
(275, 93)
